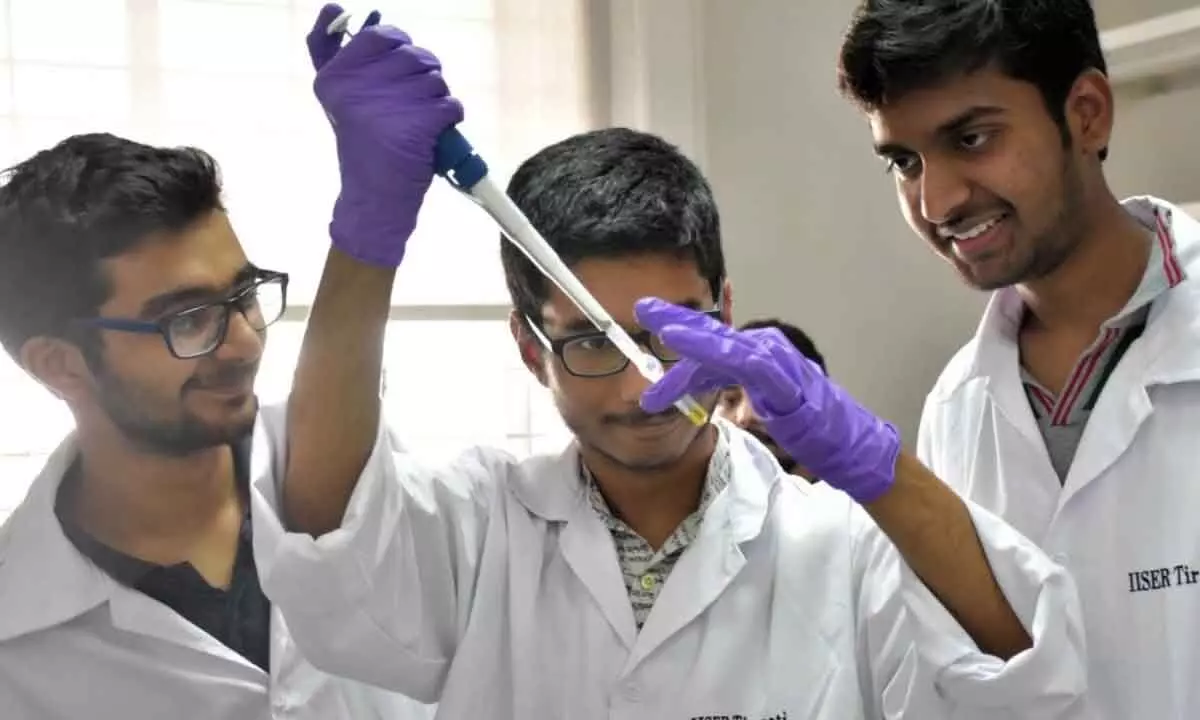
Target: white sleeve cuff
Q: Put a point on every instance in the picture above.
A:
(1043, 680)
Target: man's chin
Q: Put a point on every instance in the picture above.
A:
(646, 455)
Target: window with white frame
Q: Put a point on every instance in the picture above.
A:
(232, 77)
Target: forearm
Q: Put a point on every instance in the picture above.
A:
(334, 409)
(932, 528)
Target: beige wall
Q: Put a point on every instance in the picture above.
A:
(812, 229)
(1155, 148)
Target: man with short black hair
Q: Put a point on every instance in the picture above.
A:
(128, 587)
(1073, 411)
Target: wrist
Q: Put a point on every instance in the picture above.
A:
(371, 237)
(866, 467)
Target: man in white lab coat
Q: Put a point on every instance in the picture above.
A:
(1074, 410)
(128, 589)
(653, 569)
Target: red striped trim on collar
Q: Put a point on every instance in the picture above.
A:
(1172, 271)
(1079, 379)
(1171, 267)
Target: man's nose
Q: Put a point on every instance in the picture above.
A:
(631, 384)
(242, 341)
(943, 191)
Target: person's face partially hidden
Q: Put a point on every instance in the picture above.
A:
(734, 406)
(604, 412)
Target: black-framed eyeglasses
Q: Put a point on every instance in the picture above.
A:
(592, 355)
(200, 330)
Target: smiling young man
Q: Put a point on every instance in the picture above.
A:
(128, 588)
(653, 568)
(1073, 411)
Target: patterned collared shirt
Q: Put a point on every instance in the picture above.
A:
(644, 569)
(1062, 418)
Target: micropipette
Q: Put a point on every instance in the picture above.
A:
(466, 171)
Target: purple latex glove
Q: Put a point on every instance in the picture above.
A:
(321, 45)
(388, 104)
(810, 417)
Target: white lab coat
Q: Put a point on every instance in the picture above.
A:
(76, 644)
(1130, 503)
(492, 586)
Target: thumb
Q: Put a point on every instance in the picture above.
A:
(372, 19)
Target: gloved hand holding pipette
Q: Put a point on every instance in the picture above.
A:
(456, 160)
(807, 414)
(385, 141)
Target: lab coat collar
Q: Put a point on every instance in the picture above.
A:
(550, 486)
(44, 580)
(1173, 327)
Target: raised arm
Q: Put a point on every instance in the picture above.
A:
(388, 104)
(369, 554)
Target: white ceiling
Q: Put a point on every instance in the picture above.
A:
(1114, 13)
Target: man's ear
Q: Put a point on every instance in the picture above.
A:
(1089, 112)
(531, 350)
(726, 301)
(59, 365)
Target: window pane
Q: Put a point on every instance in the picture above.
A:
(35, 135)
(454, 255)
(5, 31)
(467, 50)
(16, 475)
(6, 103)
(279, 190)
(257, 37)
(398, 12)
(447, 384)
(32, 420)
(9, 152)
(252, 103)
(65, 92)
(84, 32)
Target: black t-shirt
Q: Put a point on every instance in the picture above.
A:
(239, 617)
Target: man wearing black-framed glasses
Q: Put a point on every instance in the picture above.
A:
(128, 586)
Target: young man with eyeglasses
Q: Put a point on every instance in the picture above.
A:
(128, 588)
(653, 569)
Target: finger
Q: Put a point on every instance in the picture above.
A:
(685, 377)
(373, 18)
(422, 59)
(718, 350)
(786, 355)
(322, 45)
(370, 45)
(326, 15)
(735, 355)
(655, 313)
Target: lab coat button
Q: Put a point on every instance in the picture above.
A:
(632, 691)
